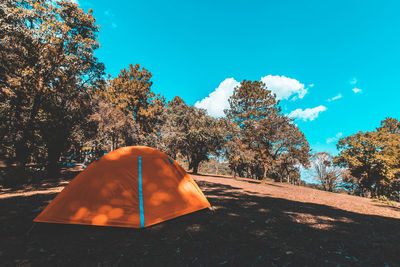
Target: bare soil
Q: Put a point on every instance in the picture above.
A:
(251, 224)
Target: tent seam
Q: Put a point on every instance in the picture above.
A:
(140, 193)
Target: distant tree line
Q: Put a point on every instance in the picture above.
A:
(57, 103)
(368, 163)
(372, 160)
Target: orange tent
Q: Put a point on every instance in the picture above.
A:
(130, 187)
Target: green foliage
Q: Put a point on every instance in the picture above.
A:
(112, 126)
(54, 101)
(383, 199)
(48, 73)
(373, 159)
(190, 132)
(128, 112)
(131, 92)
(390, 125)
(263, 137)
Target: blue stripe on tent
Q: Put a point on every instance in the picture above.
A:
(170, 160)
(141, 194)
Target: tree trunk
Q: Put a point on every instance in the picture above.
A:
(57, 139)
(21, 152)
(264, 179)
(22, 148)
(190, 164)
(53, 167)
(195, 167)
(265, 171)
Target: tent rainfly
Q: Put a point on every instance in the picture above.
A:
(132, 186)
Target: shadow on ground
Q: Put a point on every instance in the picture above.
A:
(243, 230)
(63, 179)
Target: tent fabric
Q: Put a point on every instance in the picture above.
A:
(129, 187)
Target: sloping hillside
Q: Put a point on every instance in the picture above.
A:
(308, 195)
(250, 225)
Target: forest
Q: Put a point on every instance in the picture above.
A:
(58, 105)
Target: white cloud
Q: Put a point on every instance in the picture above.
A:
(217, 101)
(73, 1)
(311, 85)
(307, 114)
(335, 138)
(114, 25)
(356, 90)
(353, 81)
(335, 98)
(284, 87)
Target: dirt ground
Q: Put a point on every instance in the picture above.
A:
(251, 224)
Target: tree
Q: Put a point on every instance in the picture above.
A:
(254, 109)
(327, 174)
(131, 92)
(190, 132)
(240, 158)
(349, 182)
(290, 152)
(128, 112)
(373, 159)
(265, 131)
(47, 93)
(112, 126)
(390, 125)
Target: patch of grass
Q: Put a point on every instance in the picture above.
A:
(384, 200)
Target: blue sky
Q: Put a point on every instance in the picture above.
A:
(309, 51)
